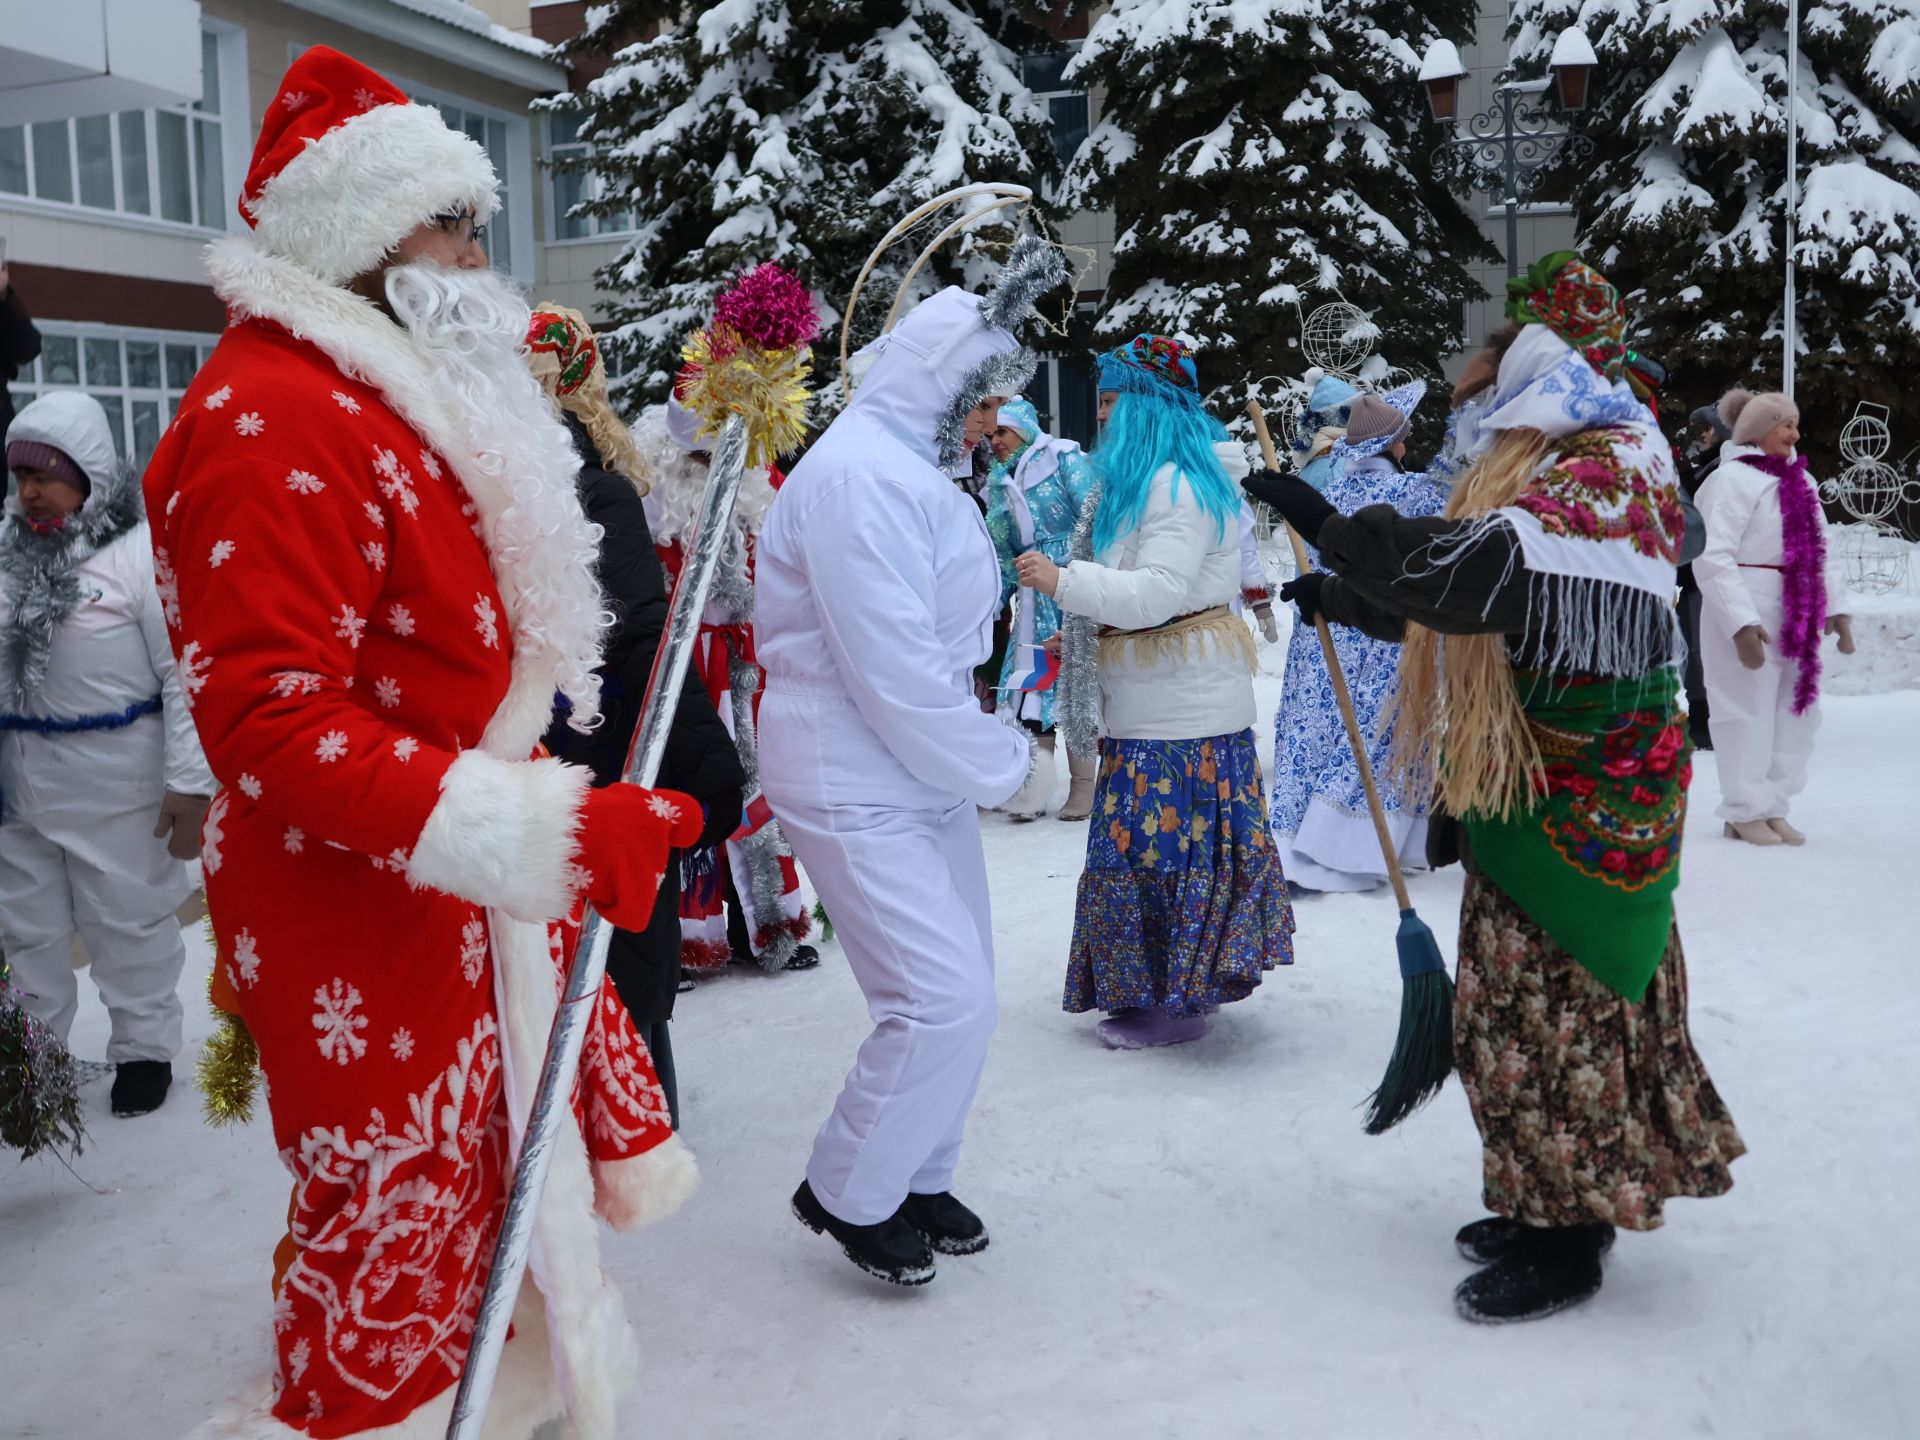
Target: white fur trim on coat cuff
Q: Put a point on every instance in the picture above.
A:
(630, 1194)
(503, 834)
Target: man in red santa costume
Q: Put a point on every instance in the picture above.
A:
(376, 574)
(740, 900)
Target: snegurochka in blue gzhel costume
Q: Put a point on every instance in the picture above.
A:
(1321, 823)
(1539, 676)
(1034, 493)
(1182, 906)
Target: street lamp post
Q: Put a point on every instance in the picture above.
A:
(1509, 146)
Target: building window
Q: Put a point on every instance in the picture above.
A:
(1067, 111)
(1062, 390)
(181, 166)
(137, 375)
(570, 187)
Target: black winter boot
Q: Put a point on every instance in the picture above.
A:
(950, 1227)
(1485, 1241)
(140, 1086)
(891, 1250)
(1544, 1271)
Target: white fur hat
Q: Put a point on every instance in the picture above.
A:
(347, 167)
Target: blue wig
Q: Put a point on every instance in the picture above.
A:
(1147, 429)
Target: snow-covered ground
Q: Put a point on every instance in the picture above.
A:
(1192, 1243)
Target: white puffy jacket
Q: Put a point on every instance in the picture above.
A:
(1176, 562)
(1740, 504)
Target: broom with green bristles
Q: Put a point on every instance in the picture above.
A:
(1423, 1051)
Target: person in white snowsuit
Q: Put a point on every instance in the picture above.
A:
(1770, 588)
(876, 593)
(96, 745)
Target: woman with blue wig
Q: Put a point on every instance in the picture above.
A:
(1034, 493)
(1182, 905)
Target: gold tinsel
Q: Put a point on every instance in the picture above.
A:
(228, 1070)
(767, 388)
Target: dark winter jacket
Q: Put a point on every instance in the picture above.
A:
(700, 759)
(19, 348)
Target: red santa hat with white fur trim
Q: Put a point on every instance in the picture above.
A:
(347, 167)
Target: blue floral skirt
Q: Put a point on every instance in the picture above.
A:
(1182, 902)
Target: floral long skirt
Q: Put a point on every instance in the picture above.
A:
(1182, 902)
(1590, 1107)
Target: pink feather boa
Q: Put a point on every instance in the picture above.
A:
(1803, 577)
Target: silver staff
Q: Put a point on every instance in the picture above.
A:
(550, 1106)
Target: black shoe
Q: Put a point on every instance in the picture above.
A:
(1545, 1271)
(950, 1227)
(1485, 1241)
(804, 957)
(891, 1250)
(685, 984)
(140, 1086)
(1702, 739)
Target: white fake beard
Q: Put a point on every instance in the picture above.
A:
(471, 326)
(680, 482)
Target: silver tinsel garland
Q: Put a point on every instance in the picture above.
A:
(1078, 708)
(1004, 374)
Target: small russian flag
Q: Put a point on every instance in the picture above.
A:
(1042, 668)
(756, 815)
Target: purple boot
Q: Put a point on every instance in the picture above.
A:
(1138, 1029)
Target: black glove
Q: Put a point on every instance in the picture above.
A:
(1304, 507)
(1304, 592)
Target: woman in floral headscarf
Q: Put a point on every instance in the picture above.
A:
(1034, 493)
(1541, 649)
(1182, 905)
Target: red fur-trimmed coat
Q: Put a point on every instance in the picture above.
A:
(386, 867)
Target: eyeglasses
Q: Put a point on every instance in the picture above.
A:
(461, 225)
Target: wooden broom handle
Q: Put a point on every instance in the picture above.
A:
(1340, 691)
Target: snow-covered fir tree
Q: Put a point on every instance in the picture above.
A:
(1264, 158)
(1683, 204)
(789, 130)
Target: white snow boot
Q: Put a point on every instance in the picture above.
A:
(1084, 769)
(1754, 832)
(1031, 802)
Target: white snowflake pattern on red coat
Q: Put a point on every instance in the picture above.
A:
(213, 832)
(167, 584)
(405, 748)
(430, 463)
(375, 554)
(305, 482)
(336, 1016)
(249, 424)
(295, 840)
(216, 398)
(245, 969)
(487, 622)
(402, 1046)
(295, 682)
(375, 514)
(331, 746)
(345, 401)
(400, 620)
(296, 101)
(387, 691)
(473, 949)
(396, 481)
(663, 807)
(349, 626)
(221, 553)
(250, 786)
(191, 671)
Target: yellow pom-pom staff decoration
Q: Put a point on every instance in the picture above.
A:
(753, 361)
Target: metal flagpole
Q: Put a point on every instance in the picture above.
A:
(551, 1107)
(1789, 325)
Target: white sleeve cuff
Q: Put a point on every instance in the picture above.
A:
(503, 834)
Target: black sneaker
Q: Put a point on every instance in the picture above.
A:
(891, 1250)
(140, 1086)
(950, 1227)
(1545, 1271)
(1485, 1241)
(804, 957)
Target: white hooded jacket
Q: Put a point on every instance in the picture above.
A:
(876, 587)
(108, 654)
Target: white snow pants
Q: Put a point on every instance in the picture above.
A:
(106, 877)
(1759, 745)
(907, 893)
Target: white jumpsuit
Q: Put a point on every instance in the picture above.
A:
(1759, 745)
(77, 849)
(875, 592)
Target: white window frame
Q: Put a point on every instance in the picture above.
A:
(118, 399)
(1047, 97)
(591, 189)
(236, 145)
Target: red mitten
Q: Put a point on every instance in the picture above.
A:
(625, 834)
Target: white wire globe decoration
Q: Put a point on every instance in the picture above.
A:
(1877, 558)
(1869, 490)
(1338, 338)
(1865, 437)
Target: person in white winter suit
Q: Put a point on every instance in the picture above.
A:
(96, 746)
(1770, 587)
(875, 597)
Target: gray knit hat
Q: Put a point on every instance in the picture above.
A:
(1753, 417)
(1373, 425)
